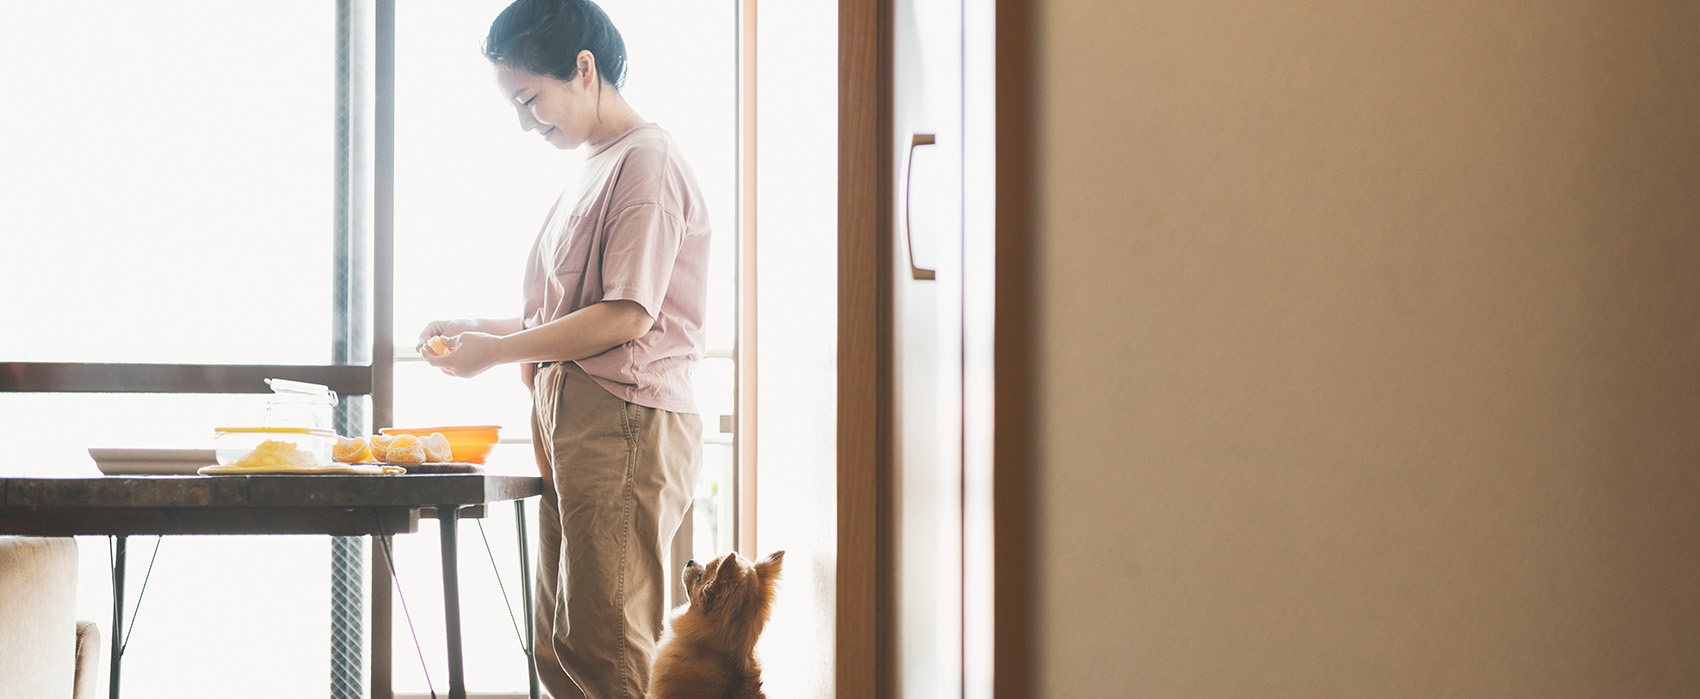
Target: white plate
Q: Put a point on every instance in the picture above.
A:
(151, 462)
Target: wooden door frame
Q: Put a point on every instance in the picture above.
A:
(865, 582)
(866, 622)
(1015, 361)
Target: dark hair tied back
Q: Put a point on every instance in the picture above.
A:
(545, 37)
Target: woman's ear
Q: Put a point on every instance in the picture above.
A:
(587, 68)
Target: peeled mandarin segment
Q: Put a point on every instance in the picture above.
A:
(405, 449)
(380, 445)
(349, 450)
(437, 448)
(437, 345)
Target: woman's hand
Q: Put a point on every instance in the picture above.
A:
(470, 354)
(443, 328)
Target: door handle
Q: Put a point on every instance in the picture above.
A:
(916, 272)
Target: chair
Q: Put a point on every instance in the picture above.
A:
(44, 650)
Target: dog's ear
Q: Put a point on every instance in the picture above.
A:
(709, 590)
(768, 568)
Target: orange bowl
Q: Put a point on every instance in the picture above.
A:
(467, 443)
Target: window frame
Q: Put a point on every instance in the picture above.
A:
(363, 253)
(361, 324)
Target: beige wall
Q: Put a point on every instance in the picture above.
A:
(1371, 357)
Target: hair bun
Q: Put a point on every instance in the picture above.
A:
(546, 36)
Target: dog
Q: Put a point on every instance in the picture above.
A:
(708, 647)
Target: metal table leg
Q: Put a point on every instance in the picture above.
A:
(525, 592)
(120, 545)
(347, 606)
(447, 517)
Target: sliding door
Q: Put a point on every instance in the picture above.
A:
(927, 138)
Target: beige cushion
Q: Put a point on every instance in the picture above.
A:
(38, 623)
(88, 660)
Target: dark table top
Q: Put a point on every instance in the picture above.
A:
(344, 505)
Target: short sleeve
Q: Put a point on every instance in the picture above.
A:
(638, 260)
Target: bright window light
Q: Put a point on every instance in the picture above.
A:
(167, 195)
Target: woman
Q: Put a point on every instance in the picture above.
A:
(612, 326)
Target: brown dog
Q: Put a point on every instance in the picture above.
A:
(708, 649)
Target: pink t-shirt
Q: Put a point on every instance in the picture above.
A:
(636, 230)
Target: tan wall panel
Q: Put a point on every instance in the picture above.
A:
(1371, 348)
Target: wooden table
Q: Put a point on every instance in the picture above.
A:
(337, 505)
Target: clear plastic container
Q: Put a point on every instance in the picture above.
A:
(233, 444)
(300, 404)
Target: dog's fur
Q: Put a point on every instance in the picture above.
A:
(708, 649)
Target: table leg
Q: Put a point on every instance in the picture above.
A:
(525, 592)
(120, 545)
(447, 517)
(347, 606)
(383, 686)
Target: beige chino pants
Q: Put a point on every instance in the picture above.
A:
(623, 478)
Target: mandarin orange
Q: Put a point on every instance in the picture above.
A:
(349, 450)
(405, 449)
(437, 448)
(380, 446)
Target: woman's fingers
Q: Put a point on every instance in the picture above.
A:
(443, 352)
(432, 329)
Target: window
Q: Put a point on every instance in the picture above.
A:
(167, 190)
(168, 195)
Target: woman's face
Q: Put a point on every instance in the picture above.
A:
(562, 112)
